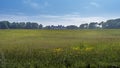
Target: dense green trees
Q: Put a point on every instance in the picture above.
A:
(40, 26)
(4, 25)
(30, 25)
(84, 26)
(93, 25)
(112, 24)
(109, 24)
(71, 27)
(19, 25)
(54, 27)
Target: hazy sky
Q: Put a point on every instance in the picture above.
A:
(64, 12)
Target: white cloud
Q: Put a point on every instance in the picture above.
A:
(94, 4)
(34, 4)
(91, 5)
(53, 20)
(31, 3)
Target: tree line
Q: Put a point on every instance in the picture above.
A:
(109, 24)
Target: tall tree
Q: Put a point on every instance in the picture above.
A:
(34, 26)
(84, 26)
(22, 25)
(112, 24)
(93, 25)
(40, 26)
(14, 25)
(28, 25)
(4, 25)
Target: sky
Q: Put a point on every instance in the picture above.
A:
(59, 12)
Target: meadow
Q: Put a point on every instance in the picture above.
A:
(99, 48)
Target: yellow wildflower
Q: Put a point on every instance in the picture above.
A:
(76, 48)
(89, 49)
(58, 49)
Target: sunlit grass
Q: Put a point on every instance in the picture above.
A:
(59, 48)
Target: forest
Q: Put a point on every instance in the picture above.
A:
(109, 24)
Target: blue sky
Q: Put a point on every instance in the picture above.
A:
(64, 12)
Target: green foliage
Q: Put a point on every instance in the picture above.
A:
(4, 25)
(59, 48)
(93, 25)
(109, 24)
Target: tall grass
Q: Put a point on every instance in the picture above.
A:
(59, 48)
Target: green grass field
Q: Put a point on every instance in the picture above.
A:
(59, 48)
